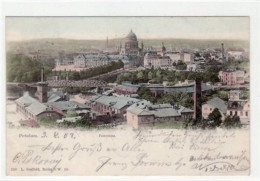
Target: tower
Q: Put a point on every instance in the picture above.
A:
(120, 47)
(42, 88)
(197, 100)
(163, 49)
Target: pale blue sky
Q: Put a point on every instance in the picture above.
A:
(24, 28)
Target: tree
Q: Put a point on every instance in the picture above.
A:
(230, 122)
(145, 93)
(215, 118)
(181, 65)
(140, 75)
(70, 114)
(75, 76)
(189, 123)
(150, 75)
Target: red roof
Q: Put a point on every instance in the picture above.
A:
(29, 123)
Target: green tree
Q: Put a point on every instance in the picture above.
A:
(231, 122)
(75, 76)
(71, 114)
(145, 93)
(150, 75)
(140, 75)
(215, 118)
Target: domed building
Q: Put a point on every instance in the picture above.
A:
(131, 44)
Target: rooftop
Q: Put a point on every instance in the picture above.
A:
(158, 110)
(116, 102)
(218, 103)
(67, 105)
(37, 108)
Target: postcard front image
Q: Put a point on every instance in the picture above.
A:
(127, 96)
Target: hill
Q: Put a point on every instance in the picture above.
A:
(53, 46)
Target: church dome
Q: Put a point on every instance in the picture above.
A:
(131, 36)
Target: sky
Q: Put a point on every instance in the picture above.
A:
(99, 28)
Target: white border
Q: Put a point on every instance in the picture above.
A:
(142, 8)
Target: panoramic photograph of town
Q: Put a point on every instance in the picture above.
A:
(127, 72)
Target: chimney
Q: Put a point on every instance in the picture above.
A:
(42, 74)
(197, 101)
(222, 51)
(107, 42)
(42, 88)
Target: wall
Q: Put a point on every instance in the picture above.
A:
(207, 109)
(49, 115)
(136, 121)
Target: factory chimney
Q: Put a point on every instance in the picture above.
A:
(107, 42)
(222, 52)
(197, 100)
(42, 74)
(42, 88)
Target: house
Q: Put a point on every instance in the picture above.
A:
(62, 107)
(111, 105)
(156, 61)
(240, 108)
(144, 114)
(187, 57)
(212, 104)
(96, 60)
(232, 77)
(235, 55)
(235, 95)
(31, 108)
(174, 56)
(192, 67)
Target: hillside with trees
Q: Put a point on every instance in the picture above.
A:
(25, 69)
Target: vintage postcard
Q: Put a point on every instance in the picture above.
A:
(128, 96)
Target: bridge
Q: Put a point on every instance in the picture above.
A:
(78, 83)
(62, 83)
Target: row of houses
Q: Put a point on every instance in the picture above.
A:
(95, 60)
(147, 114)
(136, 112)
(233, 77)
(32, 109)
(165, 59)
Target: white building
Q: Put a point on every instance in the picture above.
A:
(187, 57)
(193, 67)
(209, 106)
(174, 56)
(236, 55)
(157, 61)
(96, 60)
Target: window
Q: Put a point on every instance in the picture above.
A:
(231, 113)
(235, 113)
(246, 114)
